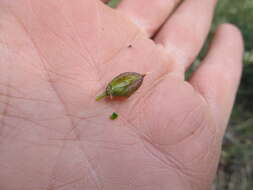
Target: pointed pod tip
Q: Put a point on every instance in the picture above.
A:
(101, 96)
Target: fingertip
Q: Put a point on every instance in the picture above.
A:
(229, 27)
(233, 32)
(226, 45)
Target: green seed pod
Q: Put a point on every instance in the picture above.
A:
(124, 85)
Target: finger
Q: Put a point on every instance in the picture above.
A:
(218, 77)
(148, 15)
(184, 33)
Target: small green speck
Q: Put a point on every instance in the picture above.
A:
(114, 116)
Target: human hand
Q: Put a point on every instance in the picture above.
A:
(56, 56)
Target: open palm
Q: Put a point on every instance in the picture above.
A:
(57, 56)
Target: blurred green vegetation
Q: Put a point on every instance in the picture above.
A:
(236, 165)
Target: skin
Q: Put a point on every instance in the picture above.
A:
(56, 56)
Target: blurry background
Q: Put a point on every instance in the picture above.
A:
(236, 165)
